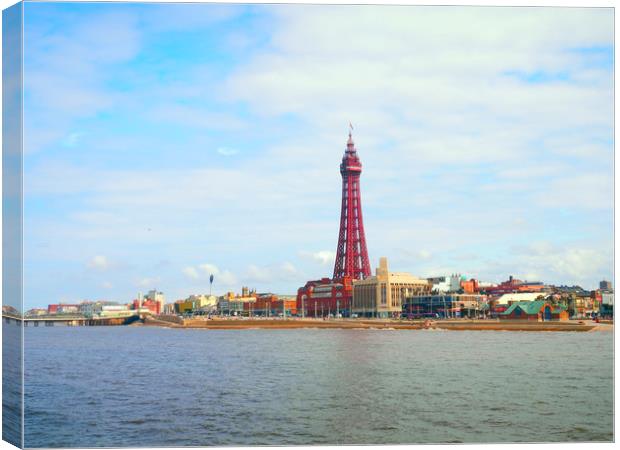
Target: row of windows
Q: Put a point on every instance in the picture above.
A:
(365, 296)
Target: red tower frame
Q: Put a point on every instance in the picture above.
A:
(352, 255)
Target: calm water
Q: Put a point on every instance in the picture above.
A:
(12, 383)
(126, 386)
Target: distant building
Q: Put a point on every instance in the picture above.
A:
(607, 304)
(158, 297)
(469, 286)
(183, 306)
(90, 309)
(514, 285)
(503, 302)
(455, 282)
(115, 311)
(439, 284)
(382, 295)
(63, 308)
(584, 304)
(149, 305)
(605, 286)
(231, 304)
(203, 302)
(270, 305)
(577, 290)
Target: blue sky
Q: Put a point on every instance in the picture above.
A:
(165, 142)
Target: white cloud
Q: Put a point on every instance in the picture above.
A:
(148, 282)
(289, 269)
(272, 274)
(99, 262)
(191, 272)
(202, 272)
(209, 269)
(107, 285)
(260, 274)
(323, 257)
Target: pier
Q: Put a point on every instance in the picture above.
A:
(52, 320)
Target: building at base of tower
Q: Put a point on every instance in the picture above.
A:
(325, 298)
(383, 295)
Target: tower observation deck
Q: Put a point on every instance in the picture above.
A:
(351, 255)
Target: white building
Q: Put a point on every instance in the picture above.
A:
(447, 284)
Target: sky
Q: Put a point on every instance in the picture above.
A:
(167, 142)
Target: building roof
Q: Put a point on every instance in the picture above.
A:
(527, 307)
(518, 297)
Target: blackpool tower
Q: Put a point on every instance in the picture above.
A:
(351, 255)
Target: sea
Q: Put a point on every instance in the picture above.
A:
(152, 387)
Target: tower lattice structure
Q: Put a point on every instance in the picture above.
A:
(351, 255)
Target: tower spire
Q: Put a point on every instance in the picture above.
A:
(350, 143)
(351, 255)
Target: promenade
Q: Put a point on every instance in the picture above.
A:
(299, 323)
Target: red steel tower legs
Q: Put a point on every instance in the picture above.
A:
(352, 255)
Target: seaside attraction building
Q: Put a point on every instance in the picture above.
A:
(320, 298)
(538, 311)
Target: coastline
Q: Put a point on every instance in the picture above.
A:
(451, 325)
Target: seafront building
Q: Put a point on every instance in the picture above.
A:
(232, 304)
(325, 297)
(445, 306)
(271, 305)
(382, 295)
